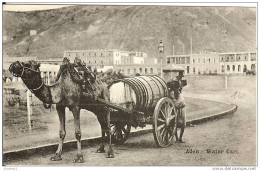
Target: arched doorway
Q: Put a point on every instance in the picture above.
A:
(188, 69)
(245, 68)
(253, 67)
(222, 68)
(228, 68)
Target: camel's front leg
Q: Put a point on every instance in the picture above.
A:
(76, 114)
(110, 152)
(62, 132)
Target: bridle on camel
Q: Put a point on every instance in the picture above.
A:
(33, 90)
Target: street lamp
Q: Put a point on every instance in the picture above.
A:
(161, 50)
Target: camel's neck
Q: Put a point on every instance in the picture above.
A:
(39, 89)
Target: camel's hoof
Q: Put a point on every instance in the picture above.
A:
(79, 159)
(101, 150)
(180, 141)
(110, 155)
(56, 158)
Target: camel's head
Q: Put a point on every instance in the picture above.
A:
(18, 69)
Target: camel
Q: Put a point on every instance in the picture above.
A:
(66, 92)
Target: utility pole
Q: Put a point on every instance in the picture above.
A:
(191, 45)
(224, 31)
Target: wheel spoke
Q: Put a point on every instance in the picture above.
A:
(162, 133)
(166, 136)
(170, 110)
(160, 120)
(163, 113)
(161, 127)
(165, 110)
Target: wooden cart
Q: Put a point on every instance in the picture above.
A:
(153, 107)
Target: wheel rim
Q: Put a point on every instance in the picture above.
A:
(164, 119)
(120, 132)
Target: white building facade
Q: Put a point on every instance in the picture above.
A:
(213, 63)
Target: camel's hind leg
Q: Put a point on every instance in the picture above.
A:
(62, 132)
(104, 120)
(76, 113)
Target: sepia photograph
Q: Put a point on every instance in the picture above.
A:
(129, 84)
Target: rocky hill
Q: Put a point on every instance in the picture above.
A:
(133, 28)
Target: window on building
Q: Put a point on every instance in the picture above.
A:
(228, 68)
(128, 71)
(233, 67)
(245, 68)
(101, 54)
(194, 70)
(227, 59)
(222, 59)
(168, 60)
(146, 71)
(188, 69)
(141, 70)
(151, 71)
(238, 68)
(95, 61)
(222, 68)
(209, 60)
(194, 61)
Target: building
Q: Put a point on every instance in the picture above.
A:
(99, 57)
(184, 61)
(127, 62)
(215, 63)
(237, 62)
(144, 69)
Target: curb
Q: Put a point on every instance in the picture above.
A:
(69, 145)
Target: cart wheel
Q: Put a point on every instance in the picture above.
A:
(120, 132)
(164, 122)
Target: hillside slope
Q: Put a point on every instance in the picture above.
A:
(133, 28)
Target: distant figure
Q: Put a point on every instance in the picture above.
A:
(137, 74)
(175, 92)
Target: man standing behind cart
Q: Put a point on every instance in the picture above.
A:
(175, 92)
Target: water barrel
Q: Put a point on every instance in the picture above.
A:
(148, 90)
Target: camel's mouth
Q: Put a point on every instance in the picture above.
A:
(16, 69)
